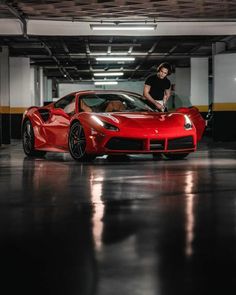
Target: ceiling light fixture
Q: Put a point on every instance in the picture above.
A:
(105, 83)
(105, 74)
(106, 53)
(115, 58)
(122, 27)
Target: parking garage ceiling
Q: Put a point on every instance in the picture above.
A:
(72, 58)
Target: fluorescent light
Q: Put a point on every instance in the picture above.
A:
(123, 27)
(103, 74)
(115, 58)
(105, 53)
(105, 83)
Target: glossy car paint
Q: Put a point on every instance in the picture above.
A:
(52, 134)
(136, 126)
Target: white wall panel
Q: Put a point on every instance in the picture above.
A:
(128, 86)
(4, 77)
(199, 89)
(182, 87)
(49, 89)
(20, 82)
(225, 78)
(32, 85)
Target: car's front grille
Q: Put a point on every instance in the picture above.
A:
(180, 143)
(157, 145)
(117, 143)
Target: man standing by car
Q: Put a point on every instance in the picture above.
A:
(157, 87)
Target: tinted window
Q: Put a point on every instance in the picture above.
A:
(109, 102)
(64, 102)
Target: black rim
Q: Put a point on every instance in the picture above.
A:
(77, 141)
(27, 138)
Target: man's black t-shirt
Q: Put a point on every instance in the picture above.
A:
(158, 86)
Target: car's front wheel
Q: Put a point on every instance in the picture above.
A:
(77, 143)
(28, 141)
(180, 156)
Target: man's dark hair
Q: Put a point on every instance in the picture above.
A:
(165, 65)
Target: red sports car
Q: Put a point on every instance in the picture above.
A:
(93, 123)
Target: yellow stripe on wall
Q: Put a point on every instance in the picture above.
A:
(13, 110)
(224, 106)
(4, 110)
(218, 107)
(16, 110)
(202, 108)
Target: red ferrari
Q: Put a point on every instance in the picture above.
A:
(94, 123)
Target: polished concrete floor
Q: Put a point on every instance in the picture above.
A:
(128, 226)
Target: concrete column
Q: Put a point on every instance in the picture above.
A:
(224, 98)
(199, 89)
(41, 86)
(5, 118)
(20, 82)
(47, 90)
(33, 86)
(182, 87)
(49, 96)
(20, 94)
(224, 79)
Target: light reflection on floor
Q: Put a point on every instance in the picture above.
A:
(132, 226)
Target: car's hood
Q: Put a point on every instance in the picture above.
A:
(143, 120)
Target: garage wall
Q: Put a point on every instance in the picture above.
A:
(136, 86)
(199, 89)
(20, 82)
(33, 90)
(20, 92)
(5, 119)
(47, 89)
(182, 87)
(64, 89)
(225, 78)
(224, 97)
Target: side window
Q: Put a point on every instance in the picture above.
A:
(70, 108)
(92, 103)
(66, 103)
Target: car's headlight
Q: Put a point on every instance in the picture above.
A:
(105, 125)
(188, 125)
(110, 126)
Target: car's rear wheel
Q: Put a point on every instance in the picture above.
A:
(28, 141)
(77, 143)
(180, 156)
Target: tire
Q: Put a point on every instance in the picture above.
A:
(28, 141)
(176, 156)
(77, 143)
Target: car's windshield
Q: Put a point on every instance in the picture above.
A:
(113, 102)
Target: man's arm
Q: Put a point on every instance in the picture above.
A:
(146, 94)
(166, 96)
